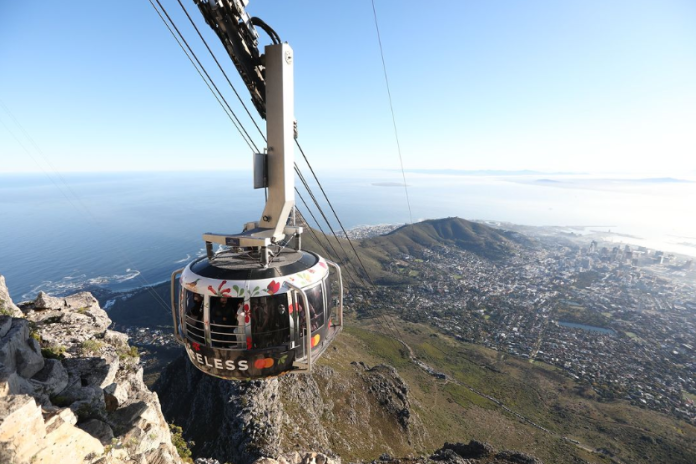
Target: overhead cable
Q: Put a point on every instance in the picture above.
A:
(222, 70)
(238, 125)
(334, 212)
(391, 107)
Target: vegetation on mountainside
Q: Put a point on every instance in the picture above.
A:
(477, 238)
(448, 408)
(53, 352)
(539, 392)
(91, 347)
(181, 445)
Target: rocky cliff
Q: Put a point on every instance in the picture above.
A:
(323, 412)
(71, 390)
(350, 409)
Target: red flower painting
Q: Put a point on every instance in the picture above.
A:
(273, 287)
(220, 291)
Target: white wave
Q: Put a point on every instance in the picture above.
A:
(188, 257)
(78, 282)
(123, 278)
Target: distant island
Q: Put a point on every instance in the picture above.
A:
(389, 184)
(493, 172)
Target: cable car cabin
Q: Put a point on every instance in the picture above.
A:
(258, 309)
(240, 320)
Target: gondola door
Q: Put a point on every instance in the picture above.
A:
(295, 329)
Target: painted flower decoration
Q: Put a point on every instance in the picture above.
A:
(220, 291)
(248, 343)
(247, 315)
(273, 287)
(322, 264)
(196, 346)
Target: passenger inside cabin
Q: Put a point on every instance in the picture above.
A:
(224, 321)
(270, 321)
(194, 316)
(195, 305)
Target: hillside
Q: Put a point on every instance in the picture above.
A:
(367, 397)
(379, 253)
(477, 238)
(467, 392)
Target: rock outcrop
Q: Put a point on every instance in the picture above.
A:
(362, 409)
(474, 452)
(71, 390)
(7, 307)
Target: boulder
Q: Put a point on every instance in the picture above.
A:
(117, 339)
(5, 325)
(70, 444)
(126, 417)
(57, 417)
(45, 301)
(7, 307)
(18, 352)
(87, 372)
(50, 380)
(13, 384)
(517, 457)
(85, 402)
(448, 456)
(115, 396)
(84, 301)
(99, 430)
(21, 417)
(474, 450)
(28, 359)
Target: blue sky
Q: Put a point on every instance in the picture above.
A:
(546, 85)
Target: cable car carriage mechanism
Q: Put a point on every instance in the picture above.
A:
(260, 306)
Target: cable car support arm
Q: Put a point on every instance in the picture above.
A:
(269, 78)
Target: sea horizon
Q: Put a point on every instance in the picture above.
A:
(121, 231)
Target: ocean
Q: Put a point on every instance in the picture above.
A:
(120, 231)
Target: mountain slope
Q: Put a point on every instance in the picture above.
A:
(477, 238)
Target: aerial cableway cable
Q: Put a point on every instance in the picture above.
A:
(386, 322)
(245, 134)
(247, 138)
(223, 71)
(350, 274)
(240, 127)
(335, 214)
(391, 107)
(276, 39)
(311, 194)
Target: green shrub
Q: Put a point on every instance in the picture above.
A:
(128, 352)
(3, 309)
(91, 346)
(61, 401)
(85, 411)
(53, 352)
(181, 445)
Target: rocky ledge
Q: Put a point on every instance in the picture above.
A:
(71, 390)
